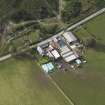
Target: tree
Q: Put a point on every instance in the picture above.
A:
(47, 30)
(76, 9)
(89, 42)
(72, 9)
(100, 3)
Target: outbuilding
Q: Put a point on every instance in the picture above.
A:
(40, 50)
(55, 54)
(69, 37)
(48, 67)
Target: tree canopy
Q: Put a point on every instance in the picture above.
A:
(72, 9)
(26, 9)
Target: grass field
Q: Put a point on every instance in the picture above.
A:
(23, 83)
(94, 27)
(86, 86)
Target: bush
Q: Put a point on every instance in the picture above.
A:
(72, 9)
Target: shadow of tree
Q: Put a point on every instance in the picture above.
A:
(98, 46)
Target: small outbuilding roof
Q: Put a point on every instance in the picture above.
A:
(55, 54)
(69, 37)
(70, 58)
(78, 61)
(40, 50)
(48, 67)
(65, 49)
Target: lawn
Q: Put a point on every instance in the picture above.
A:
(23, 83)
(86, 86)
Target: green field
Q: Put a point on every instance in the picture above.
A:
(23, 83)
(86, 86)
(95, 27)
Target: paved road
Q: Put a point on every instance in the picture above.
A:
(68, 29)
(87, 19)
(75, 25)
(5, 57)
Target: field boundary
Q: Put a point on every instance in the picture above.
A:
(60, 90)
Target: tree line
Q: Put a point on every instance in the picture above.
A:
(75, 8)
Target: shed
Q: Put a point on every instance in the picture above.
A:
(69, 37)
(48, 67)
(55, 54)
(40, 50)
(67, 54)
(70, 58)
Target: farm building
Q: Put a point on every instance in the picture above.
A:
(48, 50)
(69, 37)
(48, 67)
(65, 46)
(40, 50)
(67, 54)
(55, 54)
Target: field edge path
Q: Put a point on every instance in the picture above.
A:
(60, 90)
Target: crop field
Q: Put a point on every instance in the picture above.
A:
(86, 86)
(95, 27)
(23, 83)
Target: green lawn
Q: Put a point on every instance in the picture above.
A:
(23, 83)
(86, 86)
